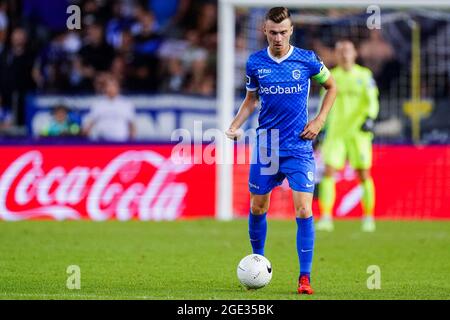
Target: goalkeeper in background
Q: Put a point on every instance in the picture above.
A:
(349, 134)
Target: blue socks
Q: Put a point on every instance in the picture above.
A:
(257, 229)
(305, 244)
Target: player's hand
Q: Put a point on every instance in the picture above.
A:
(234, 134)
(312, 129)
(368, 125)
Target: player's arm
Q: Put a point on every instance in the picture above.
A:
(88, 128)
(313, 128)
(372, 104)
(248, 105)
(372, 97)
(130, 115)
(90, 121)
(132, 130)
(246, 109)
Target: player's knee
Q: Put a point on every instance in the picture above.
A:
(329, 171)
(363, 175)
(303, 212)
(259, 207)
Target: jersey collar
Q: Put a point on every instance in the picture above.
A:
(280, 60)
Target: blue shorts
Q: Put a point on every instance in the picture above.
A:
(298, 170)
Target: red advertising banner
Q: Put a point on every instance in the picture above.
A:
(102, 182)
(141, 182)
(411, 183)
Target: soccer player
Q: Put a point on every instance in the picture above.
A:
(281, 75)
(348, 134)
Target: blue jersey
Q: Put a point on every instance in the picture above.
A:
(283, 86)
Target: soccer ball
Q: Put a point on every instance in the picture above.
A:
(254, 271)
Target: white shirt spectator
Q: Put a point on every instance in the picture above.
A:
(111, 119)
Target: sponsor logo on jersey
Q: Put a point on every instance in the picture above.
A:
(264, 71)
(280, 90)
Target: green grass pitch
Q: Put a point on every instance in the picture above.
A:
(198, 260)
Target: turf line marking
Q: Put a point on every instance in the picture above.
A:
(94, 296)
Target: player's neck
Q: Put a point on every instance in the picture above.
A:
(280, 54)
(347, 66)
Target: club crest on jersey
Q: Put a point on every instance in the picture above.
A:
(296, 74)
(310, 176)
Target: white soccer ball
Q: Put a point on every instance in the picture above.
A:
(254, 271)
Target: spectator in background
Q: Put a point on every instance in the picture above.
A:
(119, 70)
(95, 10)
(121, 37)
(4, 22)
(95, 55)
(126, 45)
(195, 60)
(375, 51)
(206, 25)
(240, 61)
(44, 18)
(173, 76)
(199, 56)
(122, 19)
(146, 25)
(146, 44)
(208, 87)
(5, 117)
(111, 117)
(325, 53)
(16, 64)
(170, 14)
(61, 124)
(52, 69)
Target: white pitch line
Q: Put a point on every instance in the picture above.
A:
(93, 296)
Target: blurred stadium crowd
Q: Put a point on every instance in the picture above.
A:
(148, 45)
(170, 46)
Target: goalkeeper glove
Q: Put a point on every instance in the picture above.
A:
(368, 125)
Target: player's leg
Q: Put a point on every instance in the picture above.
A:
(360, 157)
(367, 200)
(300, 174)
(257, 221)
(305, 238)
(260, 183)
(334, 155)
(327, 198)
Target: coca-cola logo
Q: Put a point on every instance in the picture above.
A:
(118, 190)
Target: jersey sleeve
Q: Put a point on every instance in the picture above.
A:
(318, 71)
(373, 106)
(251, 79)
